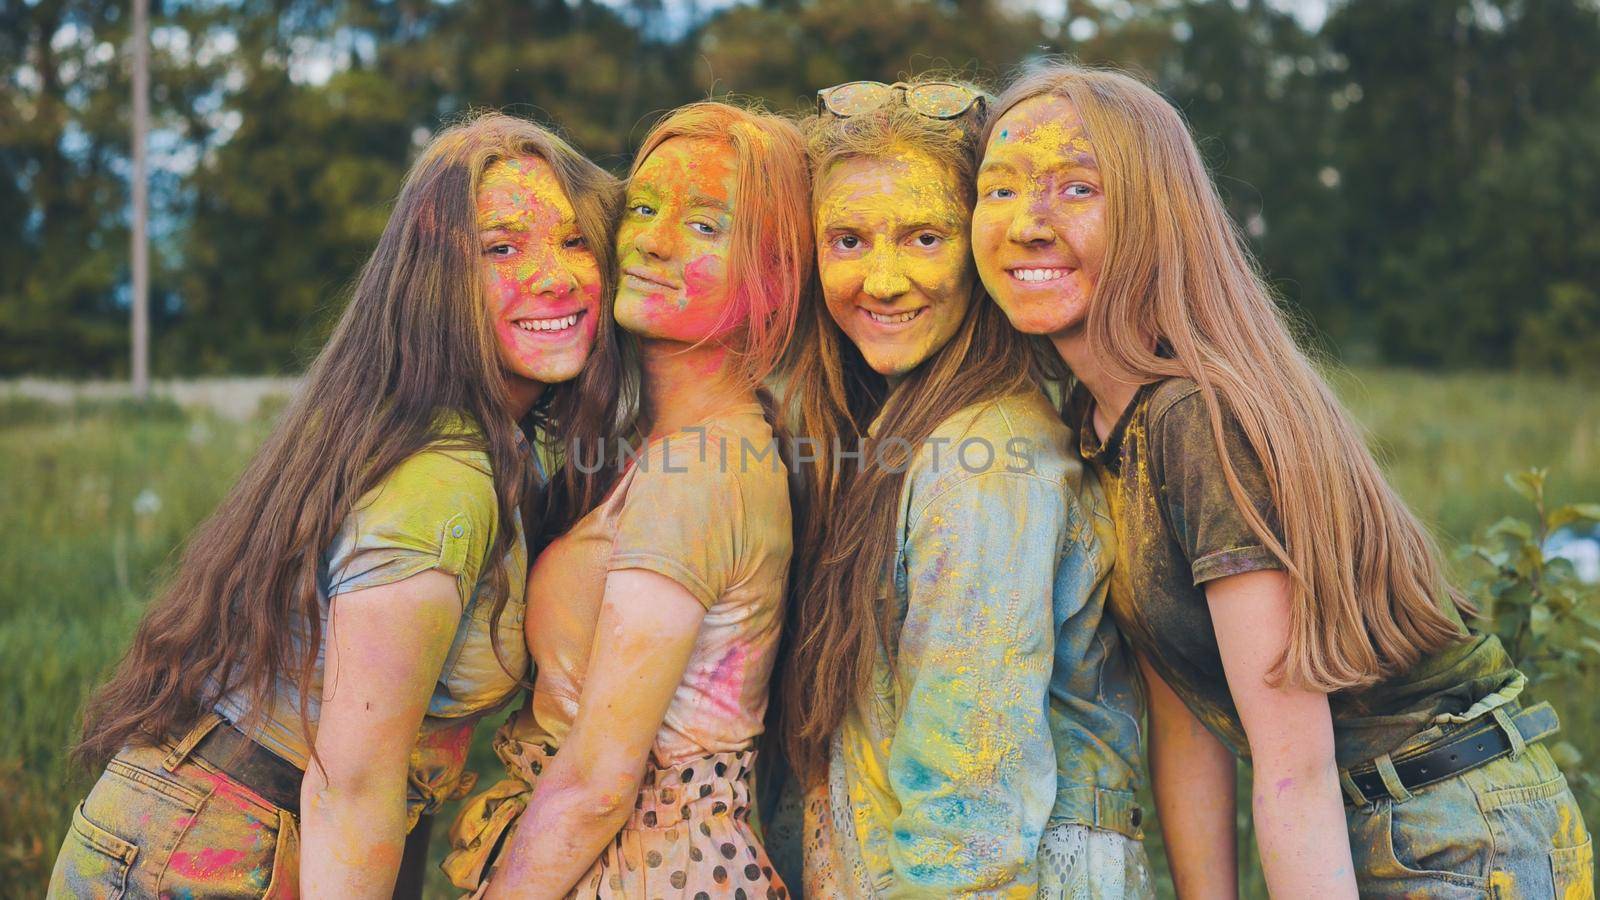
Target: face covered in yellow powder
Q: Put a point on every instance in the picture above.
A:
(1039, 229)
(892, 251)
(542, 280)
(673, 244)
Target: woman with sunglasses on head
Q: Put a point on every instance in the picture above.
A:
(1285, 605)
(955, 701)
(654, 620)
(306, 686)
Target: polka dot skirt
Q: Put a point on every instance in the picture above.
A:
(689, 835)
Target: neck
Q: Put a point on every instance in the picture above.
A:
(524, 393)
(1111, 394)
(685, 384)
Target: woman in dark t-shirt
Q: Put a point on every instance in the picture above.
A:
(1284, 604)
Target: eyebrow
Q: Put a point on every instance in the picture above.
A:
(697, 199)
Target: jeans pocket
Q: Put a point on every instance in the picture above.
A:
(229, 848)
(1572, 870)
(1437, 844)
(93, 862)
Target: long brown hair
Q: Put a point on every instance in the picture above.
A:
(1367, 579)
(841, 616)
(240, 610)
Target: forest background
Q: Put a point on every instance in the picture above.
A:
(1421, 181)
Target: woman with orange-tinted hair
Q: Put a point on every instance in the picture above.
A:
(653, 622)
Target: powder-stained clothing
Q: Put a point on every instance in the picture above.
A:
(162, 821)
(1178, 528)
(1010, 705)
(707, 507)
(435, 510)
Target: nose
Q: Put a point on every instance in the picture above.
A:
(885, 280)
(555, 280)
(1029, 225)
(653, 240)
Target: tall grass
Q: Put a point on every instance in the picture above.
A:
(95, 498)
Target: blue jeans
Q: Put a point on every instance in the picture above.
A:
(1509, 828)
(162, 823)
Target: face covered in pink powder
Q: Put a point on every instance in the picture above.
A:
(542, 280)
(674, 243)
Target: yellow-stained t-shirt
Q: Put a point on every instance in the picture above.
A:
(436, 510)
(707, 507)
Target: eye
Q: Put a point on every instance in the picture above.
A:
(846, 242)
(1078, 190)
(642, 209)
(999, 193)
(705, 228)
(929, 239)
(501, 250)
(576, 242)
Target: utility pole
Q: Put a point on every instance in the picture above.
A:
(140, 251)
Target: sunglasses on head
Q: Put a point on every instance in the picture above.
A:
(934, 99)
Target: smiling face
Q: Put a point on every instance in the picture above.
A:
(1039, 229)
(673, 244)
(542, 281)
(892, 252)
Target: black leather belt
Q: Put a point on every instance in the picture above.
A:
(1455, 753)
(276, 779)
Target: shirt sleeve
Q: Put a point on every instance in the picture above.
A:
(972, 762)
(684, 517)
(1215, 536)
(436, 510)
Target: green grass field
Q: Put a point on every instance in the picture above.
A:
(96, 497)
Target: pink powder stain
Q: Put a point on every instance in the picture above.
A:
(454, 742)
(1283, 785)
(208, 861)
(703, 277)
(725, 682)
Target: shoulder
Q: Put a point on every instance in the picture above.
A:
(1179, 396)
(436, 472)
(731, 454)
(991, 446)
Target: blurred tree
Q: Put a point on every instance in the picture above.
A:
(1440, 94)
(63, 238)
(1417, 178)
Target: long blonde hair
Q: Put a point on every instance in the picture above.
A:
(1367, 579)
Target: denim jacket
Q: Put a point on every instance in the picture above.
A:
(1010, 705)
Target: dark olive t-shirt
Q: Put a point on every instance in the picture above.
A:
(1178, 528)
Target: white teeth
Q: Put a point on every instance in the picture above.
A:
(894, 319)
(1037, 274)
(548, 324)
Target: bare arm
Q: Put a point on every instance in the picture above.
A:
(647, 630)
(385, 648)
(1299, 812)
(1193, 777)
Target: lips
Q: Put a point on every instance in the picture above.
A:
(893, 319)
(1039, 274)
(650, 278)
(548, 324)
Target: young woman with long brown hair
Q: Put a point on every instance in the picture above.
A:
(1285, 605)
(306, 686)
(955, 702)
(653, 621)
